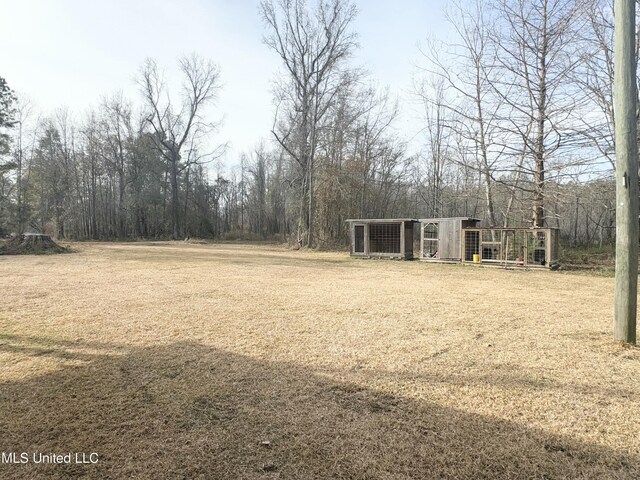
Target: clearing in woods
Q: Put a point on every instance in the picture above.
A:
(174, 360)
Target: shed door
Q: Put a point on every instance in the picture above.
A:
(471, 244)
(430, 240)
(408, 238)
(358, 239)
(449, 234)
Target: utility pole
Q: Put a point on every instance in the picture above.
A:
(626, 294)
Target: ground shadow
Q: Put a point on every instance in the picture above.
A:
(186, 410)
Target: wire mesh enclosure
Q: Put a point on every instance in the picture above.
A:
(516, 246)
(461, 240)
(537, 248)
(471, 245)
(384, 238)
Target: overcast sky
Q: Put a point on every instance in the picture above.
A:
(73, 52)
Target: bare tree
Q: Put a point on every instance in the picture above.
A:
(314, 48)
(177, 128)
(595, 77)
(118, 136)
(537, 57)
(438, 130)
(467, 74)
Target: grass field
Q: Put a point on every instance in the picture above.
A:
(174, 360)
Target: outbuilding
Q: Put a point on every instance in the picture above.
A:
(462, 240)
(454, 240)
(382, 237)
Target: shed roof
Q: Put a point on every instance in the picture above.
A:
(382, 220)
(449, 218)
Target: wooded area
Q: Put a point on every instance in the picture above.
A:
(517, 129)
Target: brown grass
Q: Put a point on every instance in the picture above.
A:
(182, 361)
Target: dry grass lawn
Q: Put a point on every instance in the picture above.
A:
(174, 360)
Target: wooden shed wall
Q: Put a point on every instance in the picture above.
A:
(449, 232)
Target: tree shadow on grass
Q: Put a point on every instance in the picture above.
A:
(507, 380)
(186, 410)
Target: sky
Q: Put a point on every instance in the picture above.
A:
(72, 53)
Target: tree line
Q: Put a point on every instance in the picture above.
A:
(516, 129)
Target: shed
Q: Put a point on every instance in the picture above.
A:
(382, 237)
(441, 238)
(459, 239)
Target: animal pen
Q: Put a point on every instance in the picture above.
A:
(455, 240)
(462, 240)
(382, 238)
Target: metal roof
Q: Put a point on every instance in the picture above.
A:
(449, 218)
(382, 220)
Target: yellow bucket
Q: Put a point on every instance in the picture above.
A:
(476, 258)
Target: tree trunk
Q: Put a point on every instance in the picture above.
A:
(538, 197)
(122, 214)
(31, 243)
(310, 226)
(175, 213)
(186, 205)
(93, 214)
